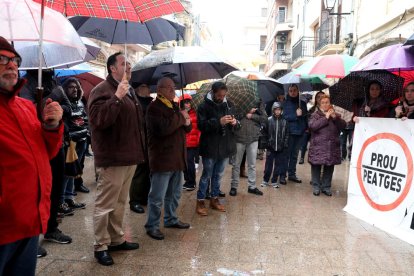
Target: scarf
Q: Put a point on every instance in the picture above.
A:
(408, 108)
(163, 99)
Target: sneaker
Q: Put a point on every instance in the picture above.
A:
(65, 209)
(58, 237)
(74, 205)
(188, 187)
(275, 185)
(254, 191)
(41, 252)
(264, 184)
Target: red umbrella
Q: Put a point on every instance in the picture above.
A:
(129, 10)
(88, 82)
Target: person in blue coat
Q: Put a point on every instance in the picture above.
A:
(295, 113)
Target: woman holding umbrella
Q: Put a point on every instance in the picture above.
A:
(375, 105)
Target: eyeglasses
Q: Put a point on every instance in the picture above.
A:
(5, 60)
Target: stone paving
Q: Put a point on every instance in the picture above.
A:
(287, 231)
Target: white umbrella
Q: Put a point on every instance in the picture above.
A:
(21, 24)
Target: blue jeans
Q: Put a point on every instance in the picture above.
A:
(212, 169)
(165, 188)
(68, 182)
(19, 257)
(275, 161)
(295, 141)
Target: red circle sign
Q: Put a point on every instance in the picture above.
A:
(407, 153)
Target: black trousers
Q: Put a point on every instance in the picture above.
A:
(58, 169)
(140, 185)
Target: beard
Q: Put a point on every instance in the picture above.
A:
(8, 81)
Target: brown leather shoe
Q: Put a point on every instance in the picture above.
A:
(201, 208)
(216, 205)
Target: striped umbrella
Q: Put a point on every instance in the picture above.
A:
(329, 66)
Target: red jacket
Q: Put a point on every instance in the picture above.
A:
(25, 174)
(193, 137)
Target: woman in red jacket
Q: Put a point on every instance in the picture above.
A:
(192, 141)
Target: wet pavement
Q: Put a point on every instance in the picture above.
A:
(287, 231)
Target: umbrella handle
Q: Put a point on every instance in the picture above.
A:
(39, 103)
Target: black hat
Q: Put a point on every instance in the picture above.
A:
(5, 45)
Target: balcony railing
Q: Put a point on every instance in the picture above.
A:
(305, 47)
(326, 34)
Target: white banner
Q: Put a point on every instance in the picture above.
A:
(381, 175)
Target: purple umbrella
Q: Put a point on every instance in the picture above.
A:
(391, 58)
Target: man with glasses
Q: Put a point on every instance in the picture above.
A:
(166, 126)
(117, 132)
(25, 174)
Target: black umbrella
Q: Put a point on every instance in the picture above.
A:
(183, 64)
(354, 87)
(114, 31)
(268, 88)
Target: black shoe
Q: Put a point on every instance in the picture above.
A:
(124, 246)
(294, 179)
(65, 209)
(255, 191)
(179, 225)
(328, 193)
(316, 193)
(233, 192)
(81, 188)
(301, 161)
(75, 205)
(41, 252)
(282, 181)
(135, 207)
(103, 257)
(156, 234)
(58, 237)
(188, 187)
(221, 194)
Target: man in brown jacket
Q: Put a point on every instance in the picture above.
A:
(116, 122)
(166, 126)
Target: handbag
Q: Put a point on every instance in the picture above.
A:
(72, 164)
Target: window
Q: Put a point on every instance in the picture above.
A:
(282, 14)
(262, 42)
(264, 12)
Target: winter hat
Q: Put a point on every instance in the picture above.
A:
(5, 45)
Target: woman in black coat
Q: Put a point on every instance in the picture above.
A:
(325, 150)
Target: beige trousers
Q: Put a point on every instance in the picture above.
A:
(111, 196)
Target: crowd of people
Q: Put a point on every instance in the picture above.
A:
(147, 150)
